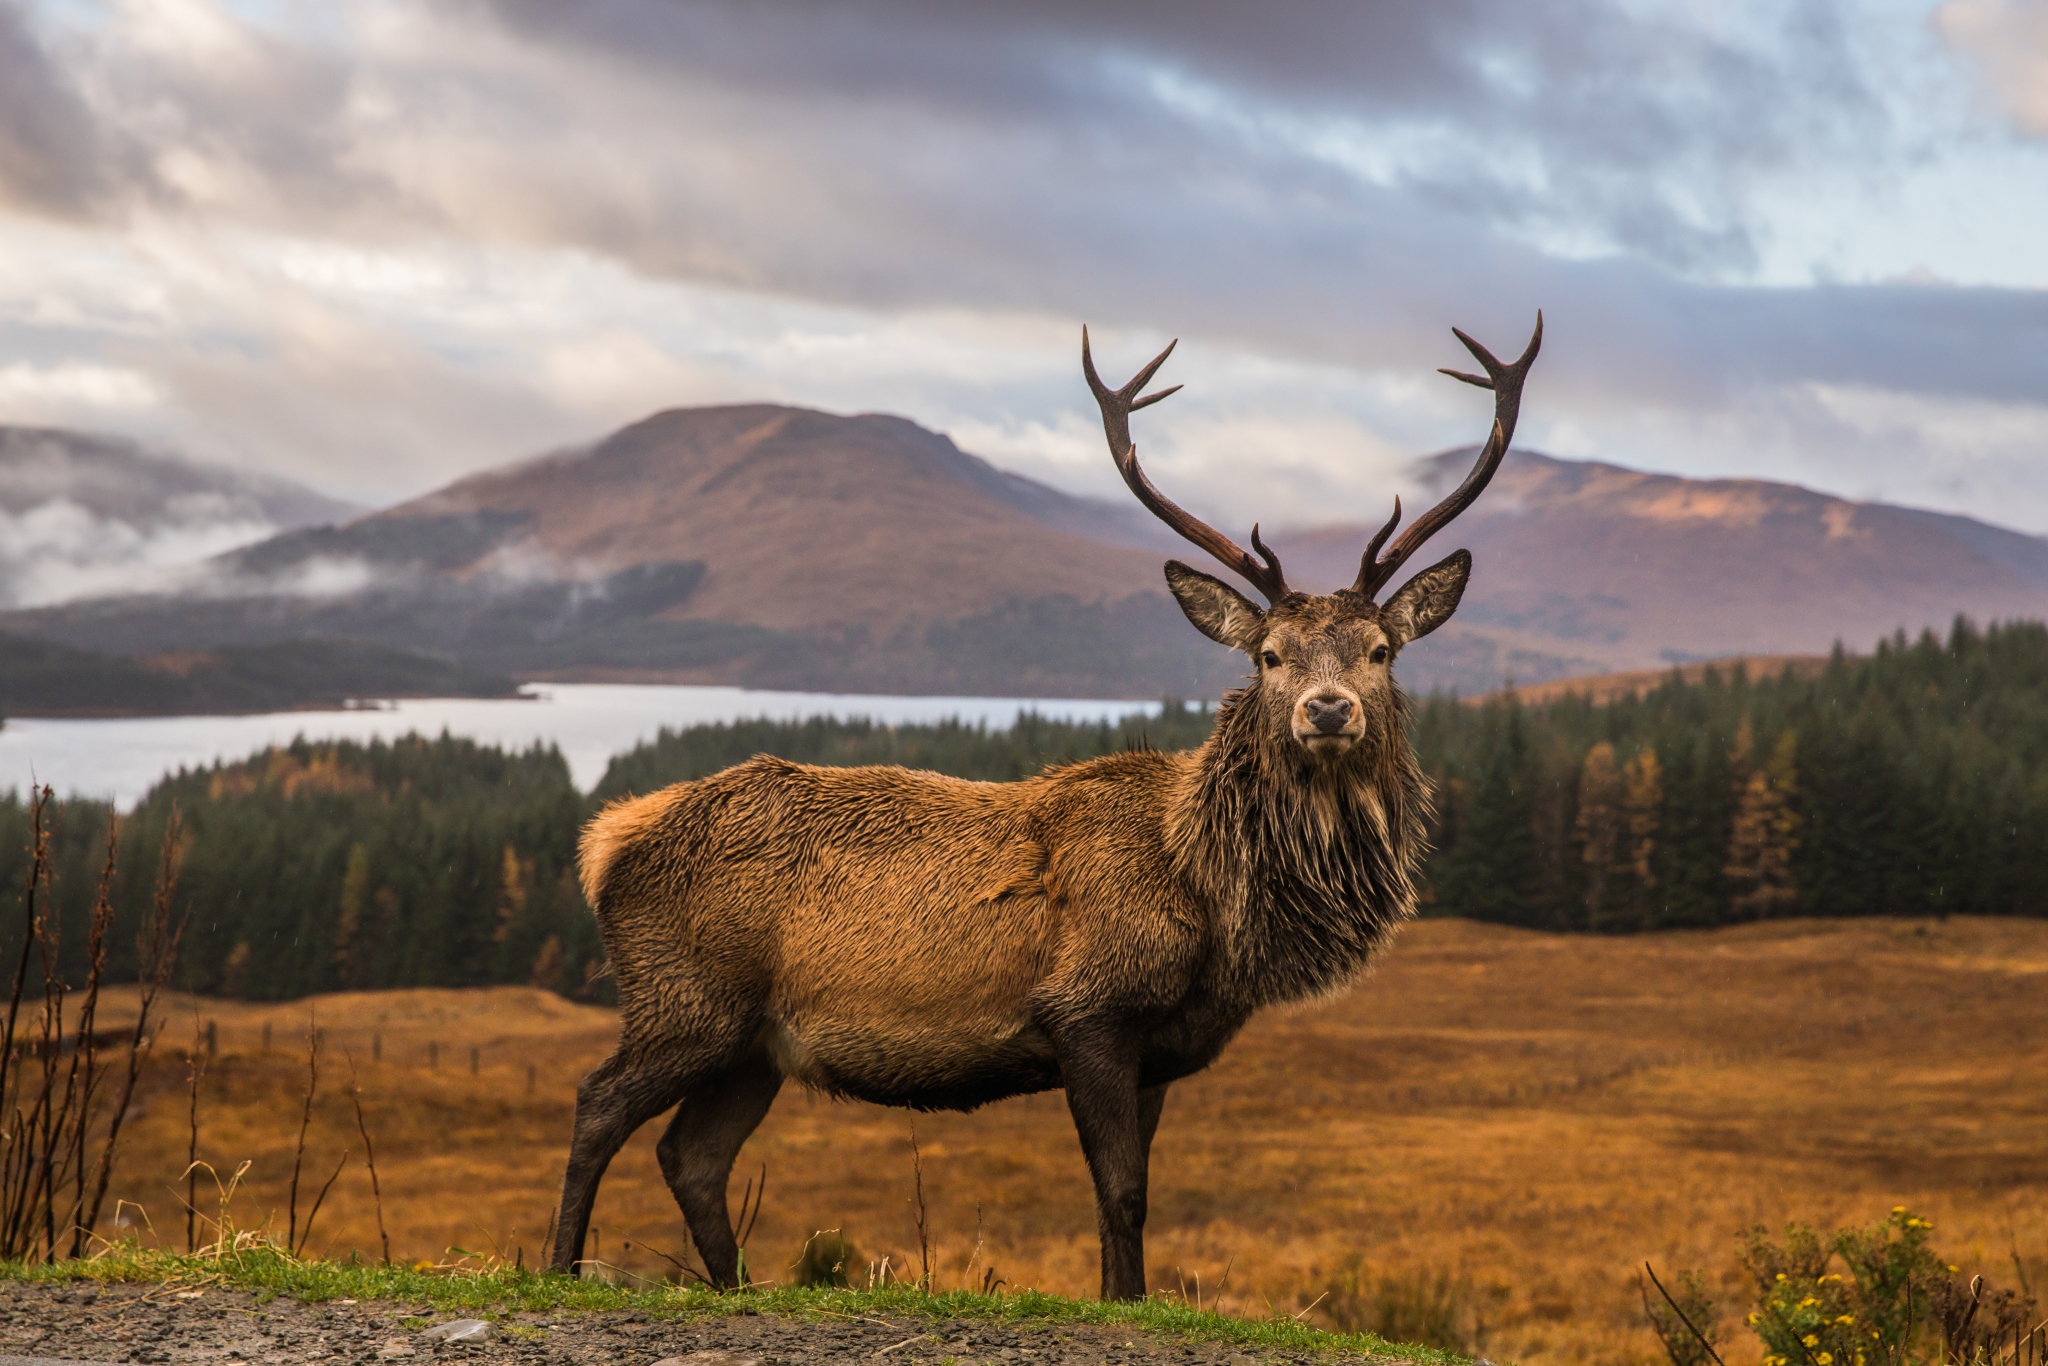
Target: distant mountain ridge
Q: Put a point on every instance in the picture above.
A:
(784, 547)
(1585, 568)
(757, 544)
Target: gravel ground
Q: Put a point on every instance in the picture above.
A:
(133, 1323)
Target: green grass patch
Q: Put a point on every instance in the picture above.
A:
(494, 1291)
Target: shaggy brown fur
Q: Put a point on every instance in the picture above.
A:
(1104, 928)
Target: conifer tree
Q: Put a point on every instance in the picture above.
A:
(1763, 839)
(1489, 876)
(1642, 814)
(348, 925)
(1598, 831)
(1692, 888)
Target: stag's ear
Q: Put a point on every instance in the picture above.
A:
(1218, 611)
(1426, 601)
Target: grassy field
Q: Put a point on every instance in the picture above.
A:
(1489, 1136)
(502, 1292)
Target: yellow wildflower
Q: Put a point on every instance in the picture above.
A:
(1846, 1318)
(1811, 1340)
(1825, 1359)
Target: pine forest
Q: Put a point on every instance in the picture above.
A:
(1911, 781)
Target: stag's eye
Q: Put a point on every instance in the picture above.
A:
(1379, 654)
(1272, 660)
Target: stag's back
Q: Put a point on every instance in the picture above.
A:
(872, 923)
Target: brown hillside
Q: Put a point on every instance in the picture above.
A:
(1608, 569)
(805, 520)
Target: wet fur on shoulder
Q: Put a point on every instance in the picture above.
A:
(1311, 866)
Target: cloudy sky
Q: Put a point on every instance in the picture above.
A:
(374, 245)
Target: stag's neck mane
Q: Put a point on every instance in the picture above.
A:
(1308, 867)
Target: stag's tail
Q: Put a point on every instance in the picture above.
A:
(647, 849)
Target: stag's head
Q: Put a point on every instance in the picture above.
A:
(1322, 662)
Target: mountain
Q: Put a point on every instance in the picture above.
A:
(764, 545)
(1588, 568)
(781, 547)
(803, 521)
(82, 514)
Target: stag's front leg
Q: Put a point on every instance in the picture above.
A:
(1115, 1119)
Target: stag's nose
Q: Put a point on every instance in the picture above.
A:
(1328, 714)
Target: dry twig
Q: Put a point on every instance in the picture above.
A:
(1691, 1327)
(355, 1092)
(291, 1237)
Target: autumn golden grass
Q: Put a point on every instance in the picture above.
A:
(1516, 1119)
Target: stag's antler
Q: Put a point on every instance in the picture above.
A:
(1506, 383)
(1117, 407)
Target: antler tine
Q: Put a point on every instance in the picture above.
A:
(1117, 406)
(1372, 547)
(1506, 382)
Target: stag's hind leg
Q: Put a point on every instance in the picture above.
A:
(629, 1088)
(698, 1150)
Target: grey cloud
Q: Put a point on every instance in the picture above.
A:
(50, 147)
(1139, 164)
(893, 153)
(268, 115)
(2007, 42)
(1594, 114)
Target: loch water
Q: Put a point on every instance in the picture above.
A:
(121, 757)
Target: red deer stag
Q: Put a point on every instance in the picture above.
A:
(1104, 928)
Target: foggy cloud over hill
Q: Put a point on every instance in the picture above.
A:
(83, 514)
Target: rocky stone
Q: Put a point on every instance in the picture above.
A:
(465, 1331)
